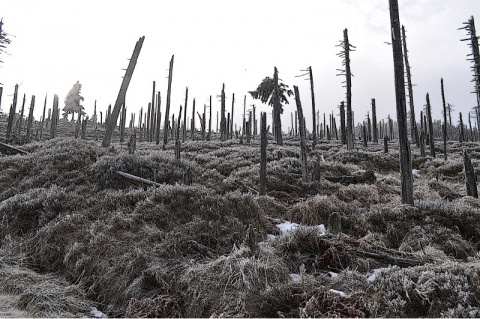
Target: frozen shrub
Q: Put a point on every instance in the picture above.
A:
(423, 291)
(242, 278)
(315, 210)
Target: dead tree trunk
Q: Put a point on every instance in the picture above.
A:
(374, 122)
(30, 120)
(121, 94)
(342, 123)
(193, 121)
(405, 156)
(277, 110)
(184, 131)
(475, 59)
(470, 176)
(54, 120)
(263, 153)
(20, 120)
(11, 115)
(244, 115)
(231, 117)
(167, 110)
(303, 146)
(209, 136)
(345, 54)
(84, 129)
(43, 117)
(461, 137)
(159, 118)
(444, 130)
(430, 127)
(314, 127)
(413, 122)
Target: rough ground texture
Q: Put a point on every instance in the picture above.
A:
(75, 235)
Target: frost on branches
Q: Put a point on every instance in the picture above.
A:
(72, 101)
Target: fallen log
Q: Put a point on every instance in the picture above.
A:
(366, 178)
(8, 149)
(138, 180)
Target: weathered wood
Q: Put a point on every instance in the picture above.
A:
(303, 146)
(444, 128)
(11, 114)
(167, 108)
(365, 137)
(112, 122)
(413, 123)
(223, 120)
(138, 180)
(5, 148)
(335, 223)
(159, 118)
(404, 145)
(152, 115)
(461, 136)
(84, 129)
(365, 178)
(43, 117)
(314, 124)
(30, 120)
(263, 153)
(132, 144)
(470, 176)
(348, 75)
(343, 129)
(430, 138)
(54, 121)
(231, 117)
(193, 121)
(277, 110)
(20, 119)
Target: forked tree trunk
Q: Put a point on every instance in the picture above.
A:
(121, 94)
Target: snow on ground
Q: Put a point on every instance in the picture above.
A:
(373, 274)
(333, 274)
(295, 277)
(338, 292)
(415, 172)
(287, 226)
(96, 313)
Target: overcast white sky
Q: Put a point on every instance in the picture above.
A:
(58, 42)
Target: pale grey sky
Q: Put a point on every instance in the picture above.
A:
(58, 42)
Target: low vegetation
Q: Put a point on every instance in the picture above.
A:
(76, 235)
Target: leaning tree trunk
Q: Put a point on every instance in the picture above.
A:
(413, 122)
(167, 110)
(405, 156)
(121, 94)
(303, 146)
(444, 130)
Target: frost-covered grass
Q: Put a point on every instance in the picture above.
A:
(216, 248)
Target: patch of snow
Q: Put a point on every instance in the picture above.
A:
(322, 158)
(270, 237)
(415, 172)
(333, 274)
(96, 313)
(287, 226)
(295, 277)
(373, 274)
(338, 292)
(321, 229)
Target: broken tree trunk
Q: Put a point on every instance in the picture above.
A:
(54, 120)
(444, 128)
(223, 120)
(138, 180)
(30, 120)
(413, 123)
(184, 131)
(167, 108)
(470, 176)
(263, 153)
(11, 115)
(366, 178)
(405, 156)
(374, 122)
(430, 127)
(43, 117)
(112, 122)
(277, 110)
(303, 146)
